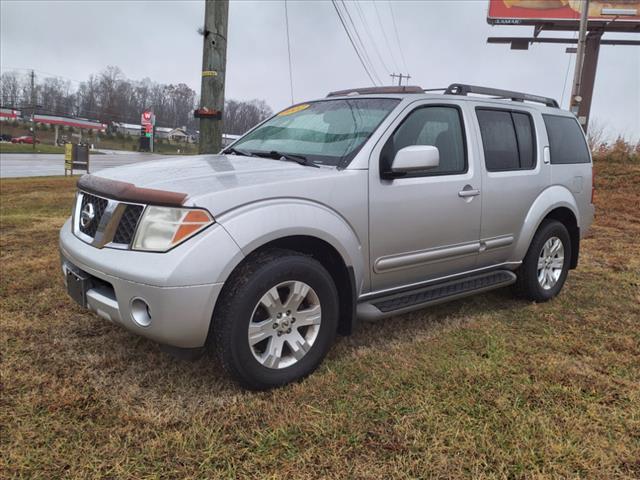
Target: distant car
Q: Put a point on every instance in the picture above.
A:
(5, 137)
(24, 139)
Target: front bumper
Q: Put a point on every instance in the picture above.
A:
(180, 304)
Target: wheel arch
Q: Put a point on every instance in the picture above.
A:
(311, 229)
(554, 203)
(329, 257)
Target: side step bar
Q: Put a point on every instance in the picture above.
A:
(407, 301)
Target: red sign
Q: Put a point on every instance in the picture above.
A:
(147, 118)
(527, 12)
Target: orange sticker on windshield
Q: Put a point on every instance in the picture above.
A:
(295, 109)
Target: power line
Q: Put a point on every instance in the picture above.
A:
(333, 2)
(364, 51)
(384, 35)
(286, 20)
(363, 19)
(10, 69)
(395, 28)
(566, 76)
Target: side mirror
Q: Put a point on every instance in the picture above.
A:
(414, 158)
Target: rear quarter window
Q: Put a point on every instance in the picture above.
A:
(566, 140)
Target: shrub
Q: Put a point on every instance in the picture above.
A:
(620, 151)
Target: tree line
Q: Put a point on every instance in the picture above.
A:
(111, 97)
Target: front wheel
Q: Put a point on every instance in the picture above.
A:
(546, 265)
(276, 320)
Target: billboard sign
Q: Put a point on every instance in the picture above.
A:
(530, 12)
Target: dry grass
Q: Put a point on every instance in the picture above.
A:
(488, 387)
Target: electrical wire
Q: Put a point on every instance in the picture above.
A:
(286, 19)
(566, 76)
(363, 48)
(333, 2)
(395, 28)
(363, 19)
(386, 39)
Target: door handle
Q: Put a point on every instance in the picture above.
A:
(468, 191)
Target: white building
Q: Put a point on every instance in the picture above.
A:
(130, 129)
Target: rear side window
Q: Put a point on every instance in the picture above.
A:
(507, 139)
(566, 141)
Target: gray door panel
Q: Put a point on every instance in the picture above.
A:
(506, 199)
(423, 227)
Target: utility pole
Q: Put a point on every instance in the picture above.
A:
(400, 77)
(33, 109)
(214, 60)
(576, 92)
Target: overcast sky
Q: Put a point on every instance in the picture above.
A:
(441, 41)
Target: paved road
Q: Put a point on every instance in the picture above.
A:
(41, 164)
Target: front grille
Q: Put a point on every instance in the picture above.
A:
(127, 226)
(99, 205)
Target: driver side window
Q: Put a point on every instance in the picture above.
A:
(438, 126)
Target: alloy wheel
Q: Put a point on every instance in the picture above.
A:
(550, 263)
(284, 324)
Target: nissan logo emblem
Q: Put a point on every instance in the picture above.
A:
(87, 215)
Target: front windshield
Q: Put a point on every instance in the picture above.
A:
(329, 132)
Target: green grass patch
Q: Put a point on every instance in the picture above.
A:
(25, 148)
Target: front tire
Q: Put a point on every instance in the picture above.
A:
(546, 265)
(276, 319)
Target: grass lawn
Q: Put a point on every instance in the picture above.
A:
(487, 387)
(25, 148)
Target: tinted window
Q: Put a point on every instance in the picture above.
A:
(566, 141)
(524, 135)
(437, 126)
(498, 140)
(507, 139)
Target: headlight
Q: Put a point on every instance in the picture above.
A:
(162, 228)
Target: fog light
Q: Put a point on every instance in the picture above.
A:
(140, 312)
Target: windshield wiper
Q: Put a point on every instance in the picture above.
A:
(235, 151)
(291, 157)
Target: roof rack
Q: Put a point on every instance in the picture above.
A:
(370, 90)
(462, 89)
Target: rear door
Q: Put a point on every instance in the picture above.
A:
(421, 225)
(513, 175)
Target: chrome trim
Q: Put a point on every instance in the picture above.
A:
(496, 242)
(413, 259)
(410, 286)
(109, 222)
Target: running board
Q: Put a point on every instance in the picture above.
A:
(407, 301)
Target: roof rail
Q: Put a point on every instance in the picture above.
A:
(462, 89)
(373, 90)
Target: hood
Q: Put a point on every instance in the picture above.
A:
(203, 176)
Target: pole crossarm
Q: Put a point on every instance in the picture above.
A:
(507, 40)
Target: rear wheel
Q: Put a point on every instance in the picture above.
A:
(546, 265)
(276, 319)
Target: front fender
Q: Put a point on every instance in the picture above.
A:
(549, 199)
(259, 223)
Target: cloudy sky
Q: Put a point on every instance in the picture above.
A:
(441, 42)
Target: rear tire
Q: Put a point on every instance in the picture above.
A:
(276, 319)
(546, 265)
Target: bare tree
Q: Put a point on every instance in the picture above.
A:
(110, 97)
(241, 116)
(596, 134)
(10, 89)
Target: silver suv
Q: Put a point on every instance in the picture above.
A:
(365, 204)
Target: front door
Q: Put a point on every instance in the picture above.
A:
(427, 224)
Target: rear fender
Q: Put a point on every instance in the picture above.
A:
(551, 198)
